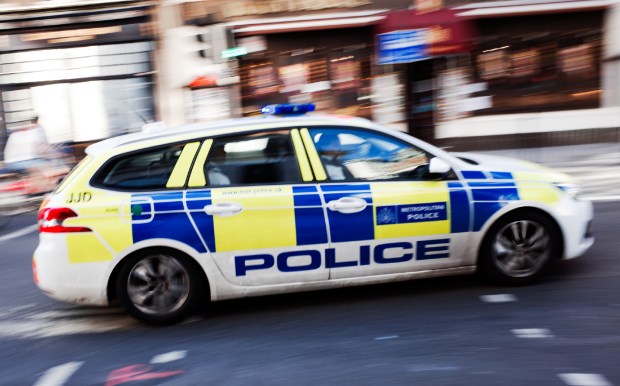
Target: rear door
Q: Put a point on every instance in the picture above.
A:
(386, 214)
(252, 198)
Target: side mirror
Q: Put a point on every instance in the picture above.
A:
(438, 166)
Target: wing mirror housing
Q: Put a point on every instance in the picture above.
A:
(438, 166)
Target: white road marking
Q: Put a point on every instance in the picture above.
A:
(169, 357)
(19, 233)
(85, 312)
(499, 298)
(575, 379)
(386, 337)
(68, 322)
(57, 376)
(532, 333)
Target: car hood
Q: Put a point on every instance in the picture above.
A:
(498, 163)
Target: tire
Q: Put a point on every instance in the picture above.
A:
(519, 248)
(159, 287)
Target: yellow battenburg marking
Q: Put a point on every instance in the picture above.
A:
(267, 219)
(86, 248)
(109, 217)
(181, 168)
(409, 193)
(302, 158)
(106, 213)
(197, 178)
(535, 187)
(315, 160)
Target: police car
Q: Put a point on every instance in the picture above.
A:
(163, 221)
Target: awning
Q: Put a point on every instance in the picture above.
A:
(529, 7)
(448, 32)
(307, 23)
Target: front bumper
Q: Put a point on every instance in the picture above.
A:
(576, 218)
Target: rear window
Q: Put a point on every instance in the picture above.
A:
(139, 171)
(74, 172)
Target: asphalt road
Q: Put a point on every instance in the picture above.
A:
(562, 331)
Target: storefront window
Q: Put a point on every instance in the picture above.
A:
(535, 63)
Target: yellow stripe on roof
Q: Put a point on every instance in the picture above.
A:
(302, 158)
(315, 160)
(181, 169)
(197, 178)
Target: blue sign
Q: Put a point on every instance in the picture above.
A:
(402, 214)
(404, 46)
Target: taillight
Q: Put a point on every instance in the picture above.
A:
(50, 220)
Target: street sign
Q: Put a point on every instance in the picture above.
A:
(233, 52)
(403, 46)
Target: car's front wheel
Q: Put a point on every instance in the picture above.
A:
(519, 248)
(158, 287)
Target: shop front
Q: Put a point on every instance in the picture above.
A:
(434, 68)
(85, 80)
(536, 76)
(310, 66)
(306, 51)
(539, 63)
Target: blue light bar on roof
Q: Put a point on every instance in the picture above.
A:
(288, 109)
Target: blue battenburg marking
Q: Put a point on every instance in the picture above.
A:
(176, 226)
(474, 175)
(169, 205)
(196, 201)
(141, 211)
(484, 211)
(305, 189)
(494, 191)
(351, 226)
(502, 175)
(489, 197)
(459, 208)
(402, 214)
(309, 217)
(198, 194)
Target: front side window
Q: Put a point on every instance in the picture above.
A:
(253, 159)
(149, 169)
(350, 155)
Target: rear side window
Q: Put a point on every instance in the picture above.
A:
(149, 169)
(254, 159)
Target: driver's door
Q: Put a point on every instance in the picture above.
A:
(386, 213)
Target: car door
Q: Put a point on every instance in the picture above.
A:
(386, 214)
(252, 199)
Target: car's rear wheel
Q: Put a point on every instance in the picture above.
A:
(519, 248)
(158, 287)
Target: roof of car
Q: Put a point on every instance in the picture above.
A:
(228, 126)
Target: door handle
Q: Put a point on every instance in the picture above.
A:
(223, 209)
(347, 205)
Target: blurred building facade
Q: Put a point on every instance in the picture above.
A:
(85, 68)
(541, 73)
(445, 71)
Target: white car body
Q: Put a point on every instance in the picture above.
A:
(79, 266)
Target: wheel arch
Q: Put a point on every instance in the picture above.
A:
(195, 265)
(523, 210)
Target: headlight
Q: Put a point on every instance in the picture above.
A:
(573, 190)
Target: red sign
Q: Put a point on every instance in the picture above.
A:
(448, 33)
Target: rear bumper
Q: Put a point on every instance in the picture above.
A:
(57, 277)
